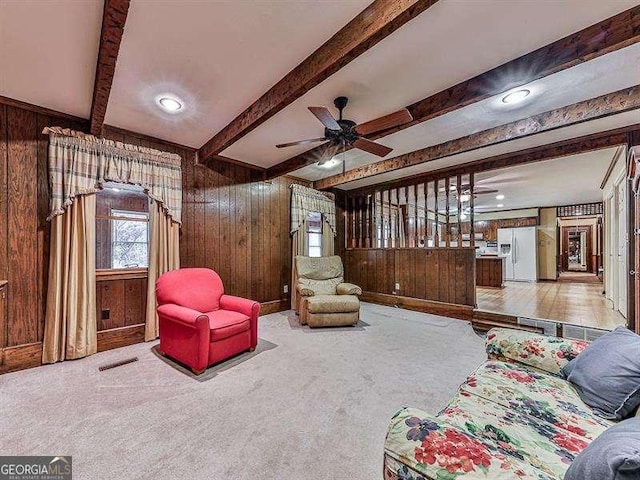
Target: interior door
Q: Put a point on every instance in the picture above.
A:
(623, 269)
(525, 265)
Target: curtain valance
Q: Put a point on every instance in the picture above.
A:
(305, 200)
(80, 164)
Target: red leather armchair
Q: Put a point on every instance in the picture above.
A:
(200, 325)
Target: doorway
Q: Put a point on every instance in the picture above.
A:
(577, 250)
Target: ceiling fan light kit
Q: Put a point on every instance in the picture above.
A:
(343, 133)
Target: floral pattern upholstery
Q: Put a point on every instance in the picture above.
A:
(549, 354)
(508, 420)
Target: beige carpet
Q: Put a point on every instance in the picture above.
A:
(308, 404)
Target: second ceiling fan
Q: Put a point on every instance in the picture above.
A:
(342, 133)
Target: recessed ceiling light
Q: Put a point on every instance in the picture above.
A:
(500, 197)
(500, 205)
(170, 104)
(516, 97)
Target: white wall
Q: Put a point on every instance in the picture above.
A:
(616, 238)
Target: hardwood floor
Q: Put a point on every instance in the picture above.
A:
(576, 303)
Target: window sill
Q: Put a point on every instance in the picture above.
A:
(121, 274)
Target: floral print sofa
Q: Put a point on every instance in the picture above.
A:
(515, 417)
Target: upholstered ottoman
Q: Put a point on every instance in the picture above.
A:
(330, 310)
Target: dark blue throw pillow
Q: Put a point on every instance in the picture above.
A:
(607, 374)
(614, 455)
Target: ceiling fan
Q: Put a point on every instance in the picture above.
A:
(342, 132)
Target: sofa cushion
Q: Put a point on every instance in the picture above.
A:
(607, 374)
(543, 396)
(545, 353)
(225, 324)
(515, 433)
(614, 455)
(435, 449)
(333, 304)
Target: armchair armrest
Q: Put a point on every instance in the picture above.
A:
(250, 308)
(429, 447)
(180, 314)
(545, 353)
(348, 289)
(247, 307)
(305, 291)
(184, 335)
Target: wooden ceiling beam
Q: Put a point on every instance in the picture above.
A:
(113, 19)
(592, 42)
(373, 24)
(600, 107)
(587, 143)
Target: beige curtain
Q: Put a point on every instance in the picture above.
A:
(328, 240)
(164, 255)
(298, 247)
(70, 321)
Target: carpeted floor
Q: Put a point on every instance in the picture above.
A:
(310, 404)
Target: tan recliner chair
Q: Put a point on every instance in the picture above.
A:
(324, 299)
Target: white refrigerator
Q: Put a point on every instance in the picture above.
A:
(519, 246)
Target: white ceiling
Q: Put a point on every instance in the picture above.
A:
(568, 180)
(558, 135)
(217, 56)
(605, 74)
(48, 52)
(450, 42)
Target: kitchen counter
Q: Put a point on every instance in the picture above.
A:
(490, 271)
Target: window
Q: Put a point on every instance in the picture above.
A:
(129, 239)
(122, 227)
(314, 234)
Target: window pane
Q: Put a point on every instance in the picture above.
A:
(314, 222)
(129, 244)
(129, 255)
(315, 252)
(121, 243)
(315, 239)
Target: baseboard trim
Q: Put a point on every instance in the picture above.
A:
(120, 337)
(275, 306)
(21, 357)
(461, 312)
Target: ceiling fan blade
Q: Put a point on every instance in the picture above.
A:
(388, 121)
(324, 115)
(372, 147)
(300, 142)
(330, 151)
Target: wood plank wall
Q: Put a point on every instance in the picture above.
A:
(24, 231)
(233, 222)
(436, 274)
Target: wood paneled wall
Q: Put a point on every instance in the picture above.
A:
(24, 231)
(436, 274)
(233, 222)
